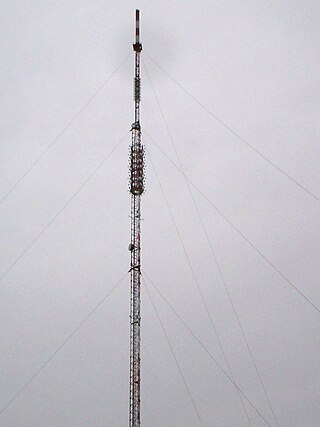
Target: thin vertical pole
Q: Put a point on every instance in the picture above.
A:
(136, 190)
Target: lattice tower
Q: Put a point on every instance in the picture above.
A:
(136, 189)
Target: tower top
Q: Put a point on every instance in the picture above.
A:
(137, 47)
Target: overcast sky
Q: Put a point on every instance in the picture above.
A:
(256, 66)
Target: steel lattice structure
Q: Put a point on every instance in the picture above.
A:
(136, 190)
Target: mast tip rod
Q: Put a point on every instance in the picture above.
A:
(137, 46)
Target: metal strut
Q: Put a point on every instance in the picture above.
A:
(136, 190)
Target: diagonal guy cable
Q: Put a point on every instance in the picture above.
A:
(64, 206)
(228, 221)
(206, 350)
(174, 356)
(66, 127)
(314, 196)
(214, 329)
(52, 356)
(223, 280)
(215, 258)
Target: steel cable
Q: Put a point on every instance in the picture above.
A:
(228, 221)
(52, 356)
(61, 133)
(64, 206)
(236, 134)
(190, 264)
(212, 357)
(175, 357)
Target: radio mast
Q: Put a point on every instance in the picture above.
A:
(136, 190)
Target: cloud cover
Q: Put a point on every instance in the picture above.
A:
(256, 66)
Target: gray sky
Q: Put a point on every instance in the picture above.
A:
(256, 66)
